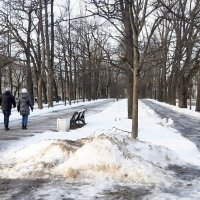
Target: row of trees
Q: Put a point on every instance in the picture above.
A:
(160, 46)
(152, 50)
(55, 56)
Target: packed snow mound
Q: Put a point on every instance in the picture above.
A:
(36, 160)
(117, 157)
(111, 156)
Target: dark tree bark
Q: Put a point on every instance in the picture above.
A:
(29, 79)
(198, 94)
(48, 52)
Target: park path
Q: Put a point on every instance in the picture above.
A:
(187, 125)
(45, 122)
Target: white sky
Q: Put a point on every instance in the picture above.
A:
(75, 6)
(107, 156)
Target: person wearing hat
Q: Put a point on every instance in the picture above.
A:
(23, 106)
(6, 102)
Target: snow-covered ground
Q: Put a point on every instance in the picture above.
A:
(102, 155)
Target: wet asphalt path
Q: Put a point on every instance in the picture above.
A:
(188, 126)
(46, 121)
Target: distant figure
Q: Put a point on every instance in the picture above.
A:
(6, 102)
(23, 106)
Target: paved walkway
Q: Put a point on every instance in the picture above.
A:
(187, 125)
(45, 122)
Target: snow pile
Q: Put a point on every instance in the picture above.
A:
(117, 157)
(35, 160)
(108, 156)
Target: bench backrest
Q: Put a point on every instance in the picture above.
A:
(79, 114)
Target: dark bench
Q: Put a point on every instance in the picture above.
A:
(78, 119)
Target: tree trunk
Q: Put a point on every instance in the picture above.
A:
(42, 64)
(135, 103)
(70, 83)
(160, 86)
(44, 89)
(130, 94)
(198, 94)
(75, 79)
(182, 93)
(29, 79)
(48, 53)
(172, 85)
(55, 90)
(0, 82)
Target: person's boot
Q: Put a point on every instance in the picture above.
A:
(22, 126)
(6, 128)
(25, 127)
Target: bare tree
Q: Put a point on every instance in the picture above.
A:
(21, 32)
(49, 49)
(133, 16)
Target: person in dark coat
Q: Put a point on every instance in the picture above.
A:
(6, 102)
(23, 106)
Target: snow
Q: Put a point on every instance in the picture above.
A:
(102, 153)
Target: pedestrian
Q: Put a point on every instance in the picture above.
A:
(6, 102)
(23, 106)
